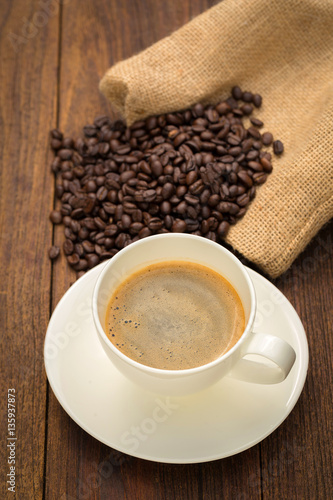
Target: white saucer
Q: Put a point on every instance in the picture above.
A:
(226, 419)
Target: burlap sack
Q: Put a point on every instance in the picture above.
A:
(281, 49)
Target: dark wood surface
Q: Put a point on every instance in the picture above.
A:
(52, 59)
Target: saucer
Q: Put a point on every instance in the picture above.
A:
(225, 419)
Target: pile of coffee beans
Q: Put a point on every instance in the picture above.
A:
(192, 171)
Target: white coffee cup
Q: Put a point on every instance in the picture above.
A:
(271, 357)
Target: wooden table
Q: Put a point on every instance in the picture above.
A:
(52, 59)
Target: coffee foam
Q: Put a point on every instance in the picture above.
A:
(175, 315)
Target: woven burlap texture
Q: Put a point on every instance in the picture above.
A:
(281, 49)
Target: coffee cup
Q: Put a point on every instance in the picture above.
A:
(252, 357)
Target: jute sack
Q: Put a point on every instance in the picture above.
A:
(281, 49)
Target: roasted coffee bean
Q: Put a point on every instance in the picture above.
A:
(78, 249)
(136, 215)
(278, 147)
(236, 93)
(88, 247)
(54, 252)
(256, 122)
(197, 187)
(255, 165)
(155, 224)
(259, 177)
(267, 138)
(267, 166)
(247, 109)
(213, 200)
(126, 221)
(191, 199)
(165, 207)
(68, 247)
(121, 240)
(56, 217)
(109, 243)
(156, 168)
(59, 190)
(73, 260)
(102, 193)
(83, 234)
(65, 154)
(247, 96)
(144, 232)
(179, 226)
(81, 265)
(56, 134)
(223, 229)
(92, 260)
(167, 191)
(245, 178)
(191, 171)
(254, 132)
(257, 100)
(136, 227)
(252, 155)
(243, 200)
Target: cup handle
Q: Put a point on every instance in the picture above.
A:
(279, 353)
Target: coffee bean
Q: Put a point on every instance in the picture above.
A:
(136, 227)
(179, 226)
(257, 100)
(267, 138)
(191, 199)
(254, 132)
(245, 178)
(242, 200)
(68, 247)
(223, 108)
(223, 229)
(149, 195)
(256, 122)
(167, 190)
(255, 165)
(54, 252)
(266, 164)
(73, 260)
(247, 109)
(197, 187)
(144, 232)
(236, 93)
(65, 154)
(252, 155)
(78, 249)
(214, 200)
(278, 147)
(212, 115)
(92, 260)
(56, 134)
(247, 96)
(81, 265)
(191, 171)
(88, 247)
(259, 177)
(126, 221)
(56, 217)
(198, 110)
(155, 224)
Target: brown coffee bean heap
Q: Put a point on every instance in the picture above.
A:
(193, 171)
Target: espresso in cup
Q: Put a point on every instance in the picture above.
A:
(174, 315)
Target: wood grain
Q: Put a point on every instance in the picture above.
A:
(50, 71)
(27, 110)
(296, 458)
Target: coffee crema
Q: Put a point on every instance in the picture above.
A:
(174, 315)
